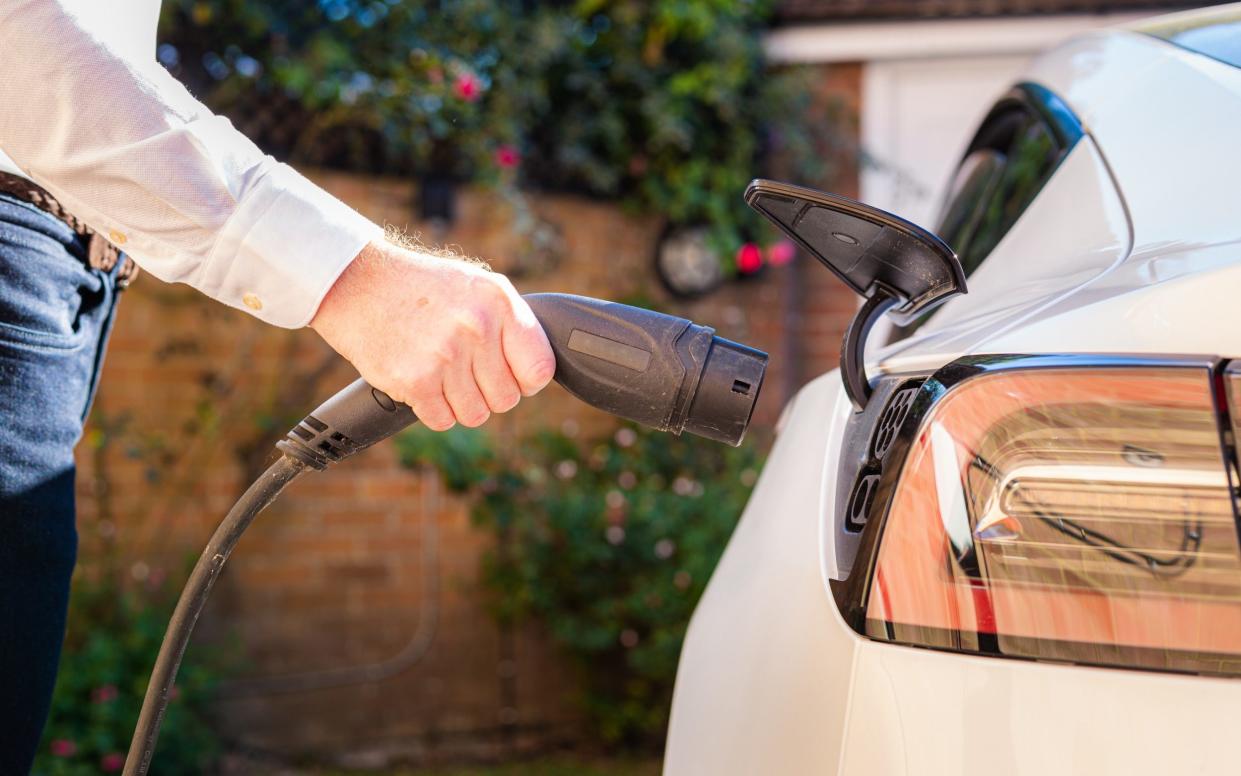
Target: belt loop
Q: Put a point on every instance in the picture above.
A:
(100, 253)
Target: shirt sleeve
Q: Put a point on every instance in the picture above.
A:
(126, 148)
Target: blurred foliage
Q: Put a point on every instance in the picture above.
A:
(608, 543)
(666, 105)
(543, 766)
(114, 636)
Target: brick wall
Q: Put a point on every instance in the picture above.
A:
(370, 561)
(825, 306)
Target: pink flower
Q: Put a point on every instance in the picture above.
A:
(507, 157)
(155, 579)
(104, 693)
(112, 762)
(468, 87)
(63, 747)
(781, 253)
(749, 259)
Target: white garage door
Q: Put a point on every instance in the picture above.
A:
(917, 117)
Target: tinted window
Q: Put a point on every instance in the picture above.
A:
(1006, 167)
(1015, 152)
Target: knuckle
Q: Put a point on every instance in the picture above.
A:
(446, 351)
(475, 322)
(540, 371)
(503, 285)
(437, 423)
(474, 417)
(433, 417)
(422, 386)
(506, 400)
(497, 286)
(487, 289)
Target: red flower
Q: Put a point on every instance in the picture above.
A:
(63, 747)
(781, 253)
(104, 693)
(112, 762)
(749, 259)
(507, 157)
(468, 87)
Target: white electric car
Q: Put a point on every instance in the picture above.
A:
(1021, 555)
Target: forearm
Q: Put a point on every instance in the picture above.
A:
(126, 148)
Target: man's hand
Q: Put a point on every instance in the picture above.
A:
(452, 340)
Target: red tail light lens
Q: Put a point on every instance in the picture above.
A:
(1069, 514)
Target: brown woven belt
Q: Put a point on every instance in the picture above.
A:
(100, 253)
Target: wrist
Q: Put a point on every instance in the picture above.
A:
(350, 285)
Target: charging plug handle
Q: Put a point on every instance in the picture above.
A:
(656, 369)
(659, 370)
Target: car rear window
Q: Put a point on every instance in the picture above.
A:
(1014, 153)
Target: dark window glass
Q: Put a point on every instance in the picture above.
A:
(972, 188)
(995, 183)
(1010, 159)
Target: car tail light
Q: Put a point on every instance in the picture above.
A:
(1078, 514)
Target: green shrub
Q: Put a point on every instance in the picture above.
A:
(114, 636)
(608, 543)
(665, 105)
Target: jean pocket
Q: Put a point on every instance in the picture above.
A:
(46, 293)
(20, 337)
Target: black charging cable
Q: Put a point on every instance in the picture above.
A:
(206, 571)
(659, 370)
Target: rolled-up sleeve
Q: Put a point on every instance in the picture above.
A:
(125, 147)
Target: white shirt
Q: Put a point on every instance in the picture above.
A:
(89, 114)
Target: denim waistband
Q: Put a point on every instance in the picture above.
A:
(100, 253)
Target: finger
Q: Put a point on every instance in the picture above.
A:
(433, 411)
(495, 379)
(529, 354)
(463, 395)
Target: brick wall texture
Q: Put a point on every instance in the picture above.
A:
(370, 561)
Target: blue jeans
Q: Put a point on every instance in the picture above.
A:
(55, 315)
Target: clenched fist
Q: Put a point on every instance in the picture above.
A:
(451, 339)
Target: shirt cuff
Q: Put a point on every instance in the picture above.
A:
(283, 248)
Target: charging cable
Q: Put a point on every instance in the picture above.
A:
(659, 370)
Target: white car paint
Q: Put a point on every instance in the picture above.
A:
(1134, 246)
(1074, 232)
(1167, 127)
(767, 665)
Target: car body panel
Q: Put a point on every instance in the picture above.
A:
(965, 715)
(1035, 266)
(1212, 32)
(1133, 246)
(772, 680)
(1166, 196)
(764, 673)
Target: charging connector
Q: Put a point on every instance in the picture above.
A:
(659, 370)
